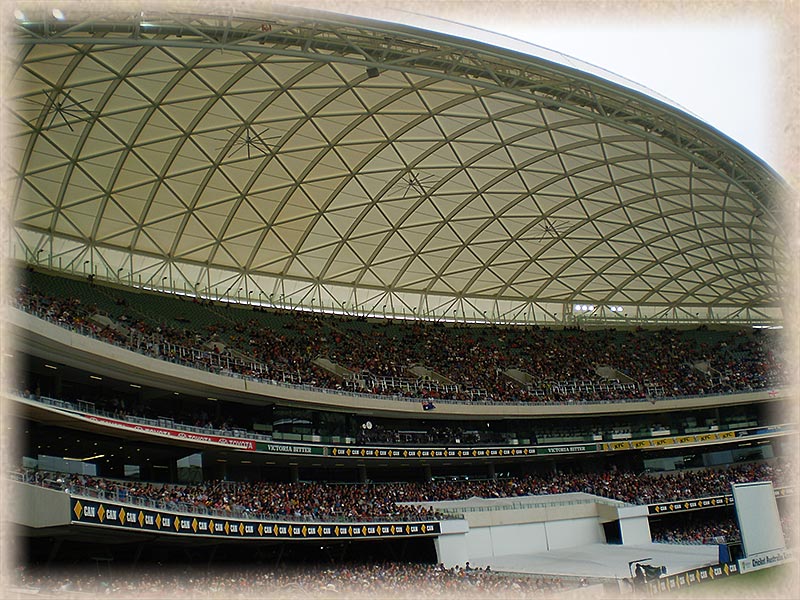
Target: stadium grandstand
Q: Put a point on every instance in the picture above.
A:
(306, 304)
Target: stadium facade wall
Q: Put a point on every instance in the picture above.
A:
(634, 525)
(451, 545)
(530, 538)
(38, 507)
(494, 531)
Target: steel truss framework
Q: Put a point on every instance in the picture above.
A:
(323, 162)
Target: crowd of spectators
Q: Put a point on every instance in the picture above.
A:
(699, 528)
(435, 435)
(696, 530)
(377, 580)
(626, 486)
(472, 363)
(411, 500)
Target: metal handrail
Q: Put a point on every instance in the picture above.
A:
(142, 348)
(202, 510)
(87, 407)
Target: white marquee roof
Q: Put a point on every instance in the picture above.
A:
(323, 161)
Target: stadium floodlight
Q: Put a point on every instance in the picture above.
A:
(58, 14)
(19, 15)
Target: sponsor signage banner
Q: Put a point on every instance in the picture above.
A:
(186, 436)
(567, 449)
(359, 452)
(136, 518)
(684, 505)
(290, 448)
(286, 448)
(684, 579)
(771, 430)
(764, 560)
(711, 502)
(429, 452)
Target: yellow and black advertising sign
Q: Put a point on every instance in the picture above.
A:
(618, 445)
(667, 441)
(413, 452)
(464, 453)
(662, 508)
(135, 518)
(694, 504)
(693, 577)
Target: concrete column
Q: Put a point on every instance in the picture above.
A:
(362, 474)
(294, 473)
(492, 473)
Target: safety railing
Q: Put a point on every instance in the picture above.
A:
(122, 496)
(148, 348)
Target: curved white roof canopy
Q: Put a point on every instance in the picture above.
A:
(320, 161)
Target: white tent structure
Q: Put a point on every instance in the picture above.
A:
(321, 162)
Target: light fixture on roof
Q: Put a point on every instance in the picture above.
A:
(19, 15)
(58, 14)
(583, 308)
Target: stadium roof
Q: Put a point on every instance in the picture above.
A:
(319, 161)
